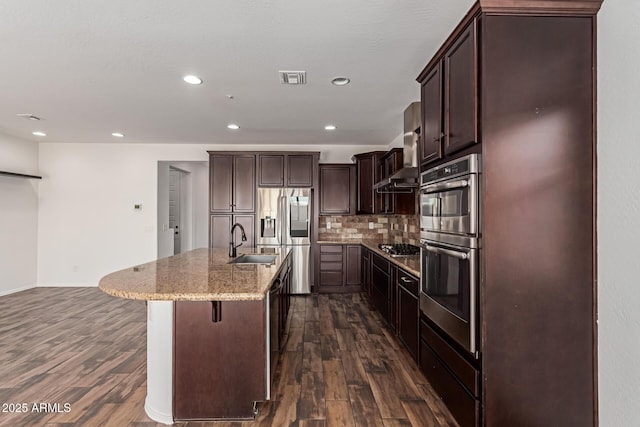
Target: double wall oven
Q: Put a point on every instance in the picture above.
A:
(449, 240)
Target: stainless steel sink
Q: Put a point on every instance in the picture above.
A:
(254, 259)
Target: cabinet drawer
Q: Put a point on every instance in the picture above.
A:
(331, 266)
(331, 257)
(409, 282)
(465, 372)
(463, 406)
(330, 248)
(380, 281)
(331, 278)
(381, 263)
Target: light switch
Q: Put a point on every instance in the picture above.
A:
(328, 225)
(371, 226)
(137, 207)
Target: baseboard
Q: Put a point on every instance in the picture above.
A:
(66, 285)
(13, 291)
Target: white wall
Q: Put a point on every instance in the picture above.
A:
(619, 212)
(18, 215)
(88, 226)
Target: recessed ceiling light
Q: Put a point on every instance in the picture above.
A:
(233, 126)
(330, 127)
(230, 96)
(192, 80)
(340, 81)
(39, 133)
(118, 134)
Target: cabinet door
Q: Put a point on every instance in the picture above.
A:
(337, 189)
(300, 170)
(366, 167)
(244, 183)
(461, 92)
(353, 272)
(366, 271)
(220, 183)
(271, 170)
(247, 222)
(430, 146)
(219, 228)
(408, 314)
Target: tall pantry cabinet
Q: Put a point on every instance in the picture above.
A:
(515, 82)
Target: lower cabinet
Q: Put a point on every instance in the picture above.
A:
(339, 268)
(408, 310)
(220, 229)
(381, 284)
(365, 269)
(218, 372)
(455, 380)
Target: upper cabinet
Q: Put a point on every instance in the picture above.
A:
(232, 183)
(337, 189)
(369, 172)
(286, 169)
(449, 96)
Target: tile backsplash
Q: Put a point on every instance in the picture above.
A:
(389, 228)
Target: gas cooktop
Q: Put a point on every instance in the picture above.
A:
(399, 249)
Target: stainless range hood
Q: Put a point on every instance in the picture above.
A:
(405, 179)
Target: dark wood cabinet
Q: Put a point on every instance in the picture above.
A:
(518, 78)
(365, 271)
(286, 169)
(395, 203)
(212, 380)
(381, 285)
(337, 189)
(220, 230)
(460, 92)
(232, 183)
(300, 170)
(431, 136)
(339, 268)
(408, 310)
(368, 173)
(449, 95)
(271, 170)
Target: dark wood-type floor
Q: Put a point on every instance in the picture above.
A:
(341, 366)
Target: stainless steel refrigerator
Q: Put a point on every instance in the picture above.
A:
(284, 220)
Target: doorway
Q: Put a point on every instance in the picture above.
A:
(178, 181)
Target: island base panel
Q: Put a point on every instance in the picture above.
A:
(219, 366)
(159, 401)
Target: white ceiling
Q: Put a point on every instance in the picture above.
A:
(92, 67)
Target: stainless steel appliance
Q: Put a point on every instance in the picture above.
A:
(284, 220)
(449, 197)
(450, 245)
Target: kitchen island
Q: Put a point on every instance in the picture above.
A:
(211, 347)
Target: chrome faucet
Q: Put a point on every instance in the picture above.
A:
(232, 243)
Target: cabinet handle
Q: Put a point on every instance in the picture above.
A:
(216, 311)
(406, 280)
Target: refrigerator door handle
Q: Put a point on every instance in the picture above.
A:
(279, 218)
(285, 220)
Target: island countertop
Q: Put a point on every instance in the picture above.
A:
(198, 275)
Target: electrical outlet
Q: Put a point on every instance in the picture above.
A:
(328, 225)
(406, 228)
(370, 226)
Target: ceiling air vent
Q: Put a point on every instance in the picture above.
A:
(293, 77)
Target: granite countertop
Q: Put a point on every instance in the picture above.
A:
(410, 264)
(198, 275)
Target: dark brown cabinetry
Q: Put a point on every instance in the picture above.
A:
(527, 93)
(285, 170)
(369, 172)
(339, 268)
(337, 189)
(213, 380)
(394, 203)
(431, 95)
(365, 269)
(381, 286)
(232, 186)
(408, 310)
(232, 183)
(220, 229)
(449, 99)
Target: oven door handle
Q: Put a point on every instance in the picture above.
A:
(455, 254)
(461, 183)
